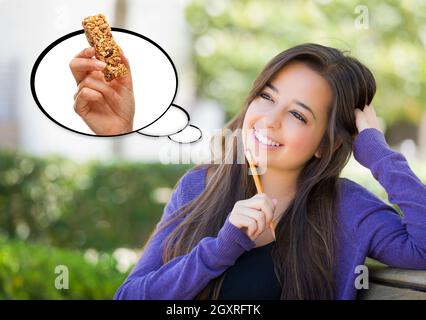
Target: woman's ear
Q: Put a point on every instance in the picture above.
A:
(339, 142)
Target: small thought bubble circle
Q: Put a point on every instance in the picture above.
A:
(153, 73)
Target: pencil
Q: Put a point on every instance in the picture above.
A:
(259, 188)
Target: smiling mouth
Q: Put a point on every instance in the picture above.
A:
(265, 140)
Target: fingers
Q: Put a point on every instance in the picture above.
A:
(84, 97)
(86, 53)
(260, 220)
(83, 63)
(255, 214)
(250, 224)
(124, 60)
(370, 109)
(262, 202)
(367, 109)
(97, 75)
(126, 80)
(266, 198)
(81, 66)
(367, 118)
(110, 96)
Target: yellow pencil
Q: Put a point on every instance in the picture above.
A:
(259, 188)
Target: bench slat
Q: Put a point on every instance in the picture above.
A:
(381, 292)
(413, 279)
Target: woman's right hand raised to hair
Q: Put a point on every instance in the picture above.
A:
(253, 215)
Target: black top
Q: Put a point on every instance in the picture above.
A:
(252, 277)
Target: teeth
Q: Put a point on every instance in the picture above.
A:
(265, 140)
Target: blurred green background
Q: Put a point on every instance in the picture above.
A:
(84, 216)
(235, 39)
(95, 216)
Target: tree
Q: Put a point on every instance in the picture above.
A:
(233, 40)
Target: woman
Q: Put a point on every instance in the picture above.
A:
(214, 240)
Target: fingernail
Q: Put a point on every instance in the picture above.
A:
(275, 201)
(100, 64)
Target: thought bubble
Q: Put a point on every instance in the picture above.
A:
(154, 80)
(173, 121)
(153, 73)
(190, 134)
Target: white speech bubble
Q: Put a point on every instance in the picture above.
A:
(190, 134)
(173, 121)
(153, 73)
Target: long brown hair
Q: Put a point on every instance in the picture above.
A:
(305, 247)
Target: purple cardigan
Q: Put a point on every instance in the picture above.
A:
(368, 227)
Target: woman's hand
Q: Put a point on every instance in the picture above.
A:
(107, 108)
(253, 215)
(366, 119)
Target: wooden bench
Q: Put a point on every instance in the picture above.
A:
(387, 283)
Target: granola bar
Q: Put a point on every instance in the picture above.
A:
(98, 34)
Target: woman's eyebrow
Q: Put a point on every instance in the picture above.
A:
(300, 103)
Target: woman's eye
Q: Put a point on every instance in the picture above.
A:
(298, 116)
(264, 96)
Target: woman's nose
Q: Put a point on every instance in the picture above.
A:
(272, 120)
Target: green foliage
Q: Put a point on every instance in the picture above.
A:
(92, 205)
(233, 40)
(27, 271)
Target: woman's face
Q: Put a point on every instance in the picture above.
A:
(284, 124)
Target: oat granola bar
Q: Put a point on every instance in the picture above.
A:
(98, 34)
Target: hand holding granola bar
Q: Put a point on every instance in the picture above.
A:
(104, 97)
(99, 36)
